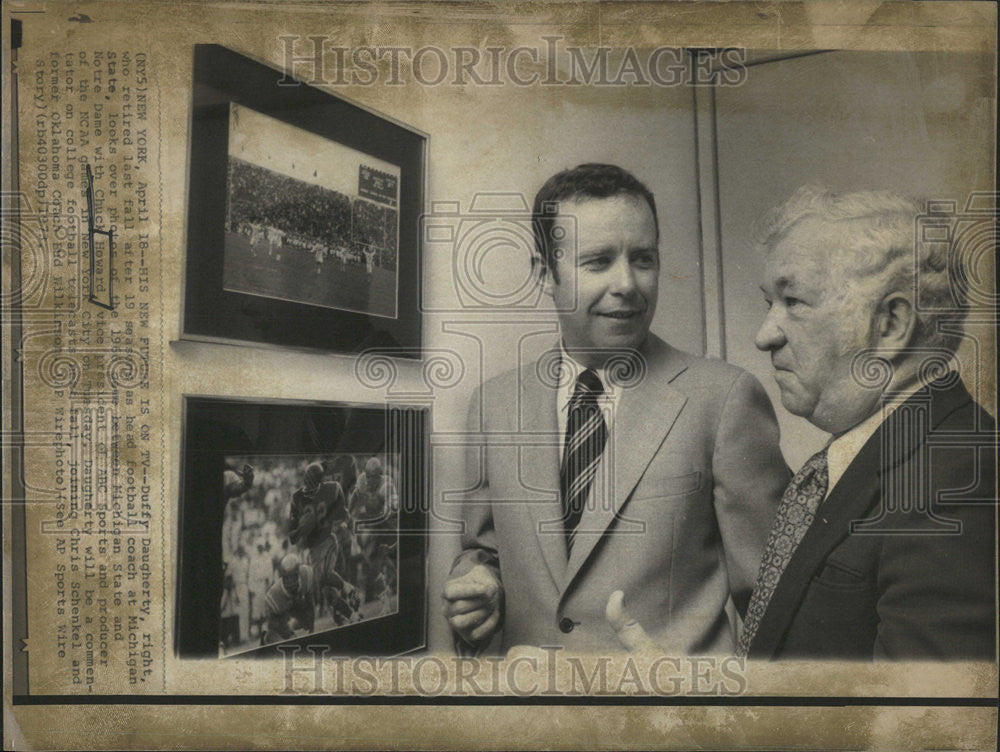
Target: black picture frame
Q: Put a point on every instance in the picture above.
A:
(212, 309)
(216, 429)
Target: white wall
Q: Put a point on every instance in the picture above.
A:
(917, 124)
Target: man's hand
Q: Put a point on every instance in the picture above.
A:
(472, 603)
(630, 632)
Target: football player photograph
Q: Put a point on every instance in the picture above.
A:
(659, 490)
(883, 546)
(289, 602)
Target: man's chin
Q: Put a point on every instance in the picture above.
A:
(625, 339)
(795, 403)
(608, 346)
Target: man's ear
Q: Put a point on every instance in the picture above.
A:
(543, 273)
(896, 322)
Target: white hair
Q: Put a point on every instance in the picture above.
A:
(876, 232)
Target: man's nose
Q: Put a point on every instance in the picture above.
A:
(769, 336)
(623, 279)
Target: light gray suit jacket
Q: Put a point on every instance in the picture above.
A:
(677, 518)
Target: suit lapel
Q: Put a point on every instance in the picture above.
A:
(644, 416)
(539, 465)
(851, 499)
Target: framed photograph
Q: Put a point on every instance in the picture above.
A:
(303, 215)
(301, 524)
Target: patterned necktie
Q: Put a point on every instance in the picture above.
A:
(586, 435)
(794, 516)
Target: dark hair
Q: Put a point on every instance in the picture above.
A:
(590, 180)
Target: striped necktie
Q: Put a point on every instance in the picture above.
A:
(794, 516)
(586, 435)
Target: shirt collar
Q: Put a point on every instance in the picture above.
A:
(570, 370)
(842, 449)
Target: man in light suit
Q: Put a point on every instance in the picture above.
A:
(616, 462)
(883, 546)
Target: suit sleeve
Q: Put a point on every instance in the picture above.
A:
(479, 537)
(750, 476)
(936, 590)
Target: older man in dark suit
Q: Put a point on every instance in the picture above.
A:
(883, 546)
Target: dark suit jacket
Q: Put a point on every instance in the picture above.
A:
(677, 518)
(899, 562)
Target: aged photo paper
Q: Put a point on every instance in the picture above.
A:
(240, 539)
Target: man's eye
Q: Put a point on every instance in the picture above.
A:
(601, 262)
(645, 260)
(792, 302)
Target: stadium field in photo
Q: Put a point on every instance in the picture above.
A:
(303, 215)
(293, 274)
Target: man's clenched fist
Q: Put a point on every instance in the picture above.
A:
(473, 603)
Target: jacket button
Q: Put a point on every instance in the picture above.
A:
(566, 625)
